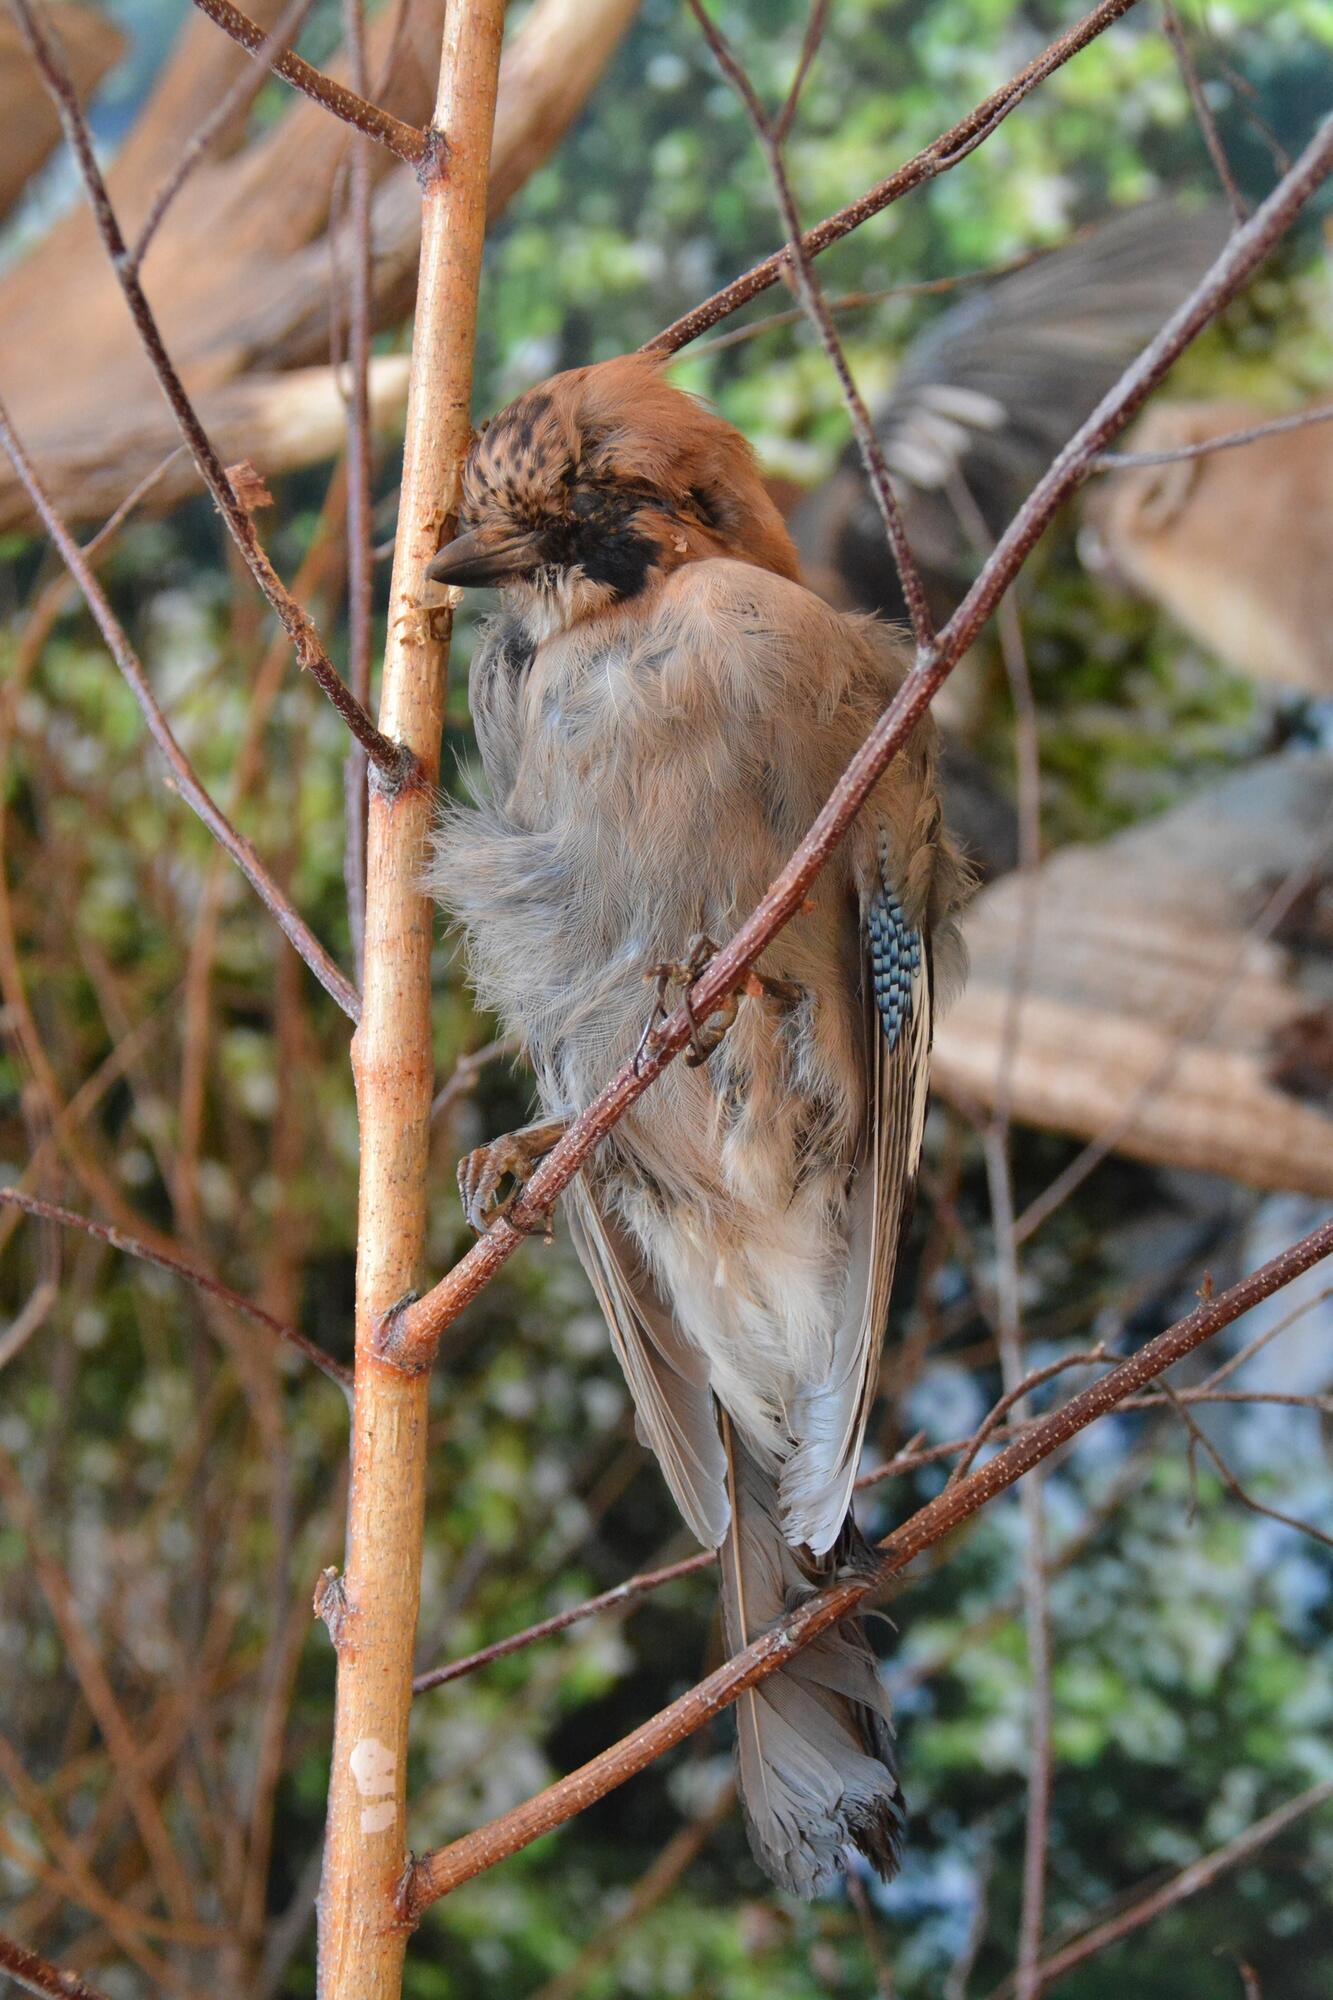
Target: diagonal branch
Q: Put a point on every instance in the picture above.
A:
(395, 766)
(1200, 1438)
(184, 778)
(815, 307)
(1197, 1876)
(814, 35)
(410, 1332)
(1125, 461)
(405, 140)
(941, 154)
(38, 1975)
(231, 104)
(560, 1621)
(1193, 82)
(434, 1875)
(131, 1246)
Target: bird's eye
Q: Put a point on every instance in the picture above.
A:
(705, 506)
(570, 473)
(583, 505)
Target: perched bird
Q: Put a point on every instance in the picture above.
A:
(661, 708)
(1236, 544)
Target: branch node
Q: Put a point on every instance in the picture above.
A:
(390, 1346)
(404, 1900)
(393, 780)
(432, 167)
(330, 1604)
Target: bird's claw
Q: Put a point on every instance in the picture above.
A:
(682, 972)
(514, 1156)
(705, 1035)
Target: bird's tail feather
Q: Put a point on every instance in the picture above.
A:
(814, 1742)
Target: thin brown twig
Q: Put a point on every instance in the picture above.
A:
(204, 1281)
(406, 141)
(960, 1972)
(1247, 96)
(184, 778)
(560, 1621)
(37, 1308)
(463, 1076)
(434, 1875)
(657, 1881)
(232, 104)
(409, 1334)
(396, 767)
(910, 1459)
(1249, 1978)
(1190, 1881)
(38, 1975)
(89, 1669)
(1237, 1490)
(810, 44)
(815, 307)
(1089, 1357)
(1323, 1404)
(846, 302)
(70, 1877)
(870, 1935)
(1126, 461)
(317, 571)
(1262, 1340)
(1027, 765)
(942, 153)
(62, 1129)
(1212, 138)
(965, 1640)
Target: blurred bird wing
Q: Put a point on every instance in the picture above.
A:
(667, 1376)
(829, 1419)
(1005, 377)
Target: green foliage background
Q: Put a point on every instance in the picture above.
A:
(1190, 1696)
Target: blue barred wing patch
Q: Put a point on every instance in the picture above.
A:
(895, 961)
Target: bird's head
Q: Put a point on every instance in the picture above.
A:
(595, 485)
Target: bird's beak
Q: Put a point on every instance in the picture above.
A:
(479, 558)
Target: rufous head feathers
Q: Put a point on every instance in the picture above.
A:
(602, 480)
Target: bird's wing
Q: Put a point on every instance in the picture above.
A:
(989, 393)
(667, 1376)
(1003, 379)
(829, 1418)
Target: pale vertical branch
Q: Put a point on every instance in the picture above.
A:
(372, 1613)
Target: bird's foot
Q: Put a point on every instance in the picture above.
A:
(514, 1156)
(705, 1035)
